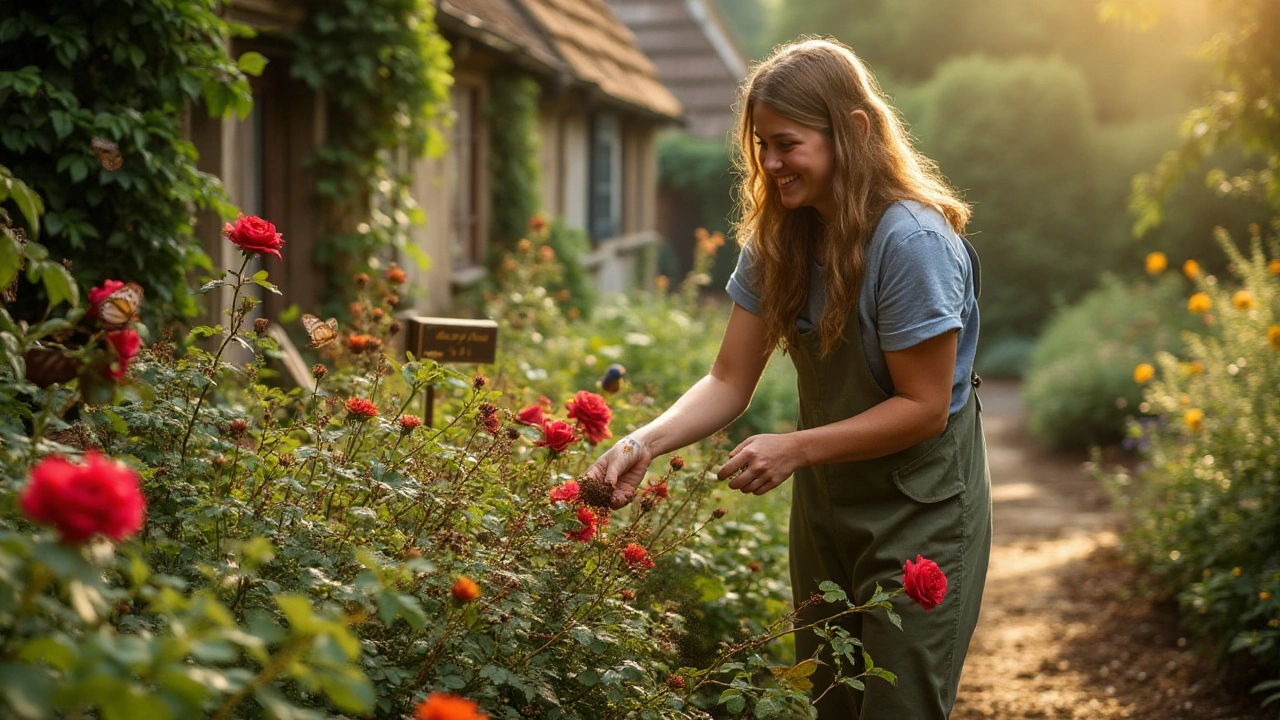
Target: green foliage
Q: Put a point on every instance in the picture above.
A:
(303, 547)
(1080, 385)
(701, 169)
(1239, 112)
(118, 74)
(1203, 508)
(512, 111)
(385, 71)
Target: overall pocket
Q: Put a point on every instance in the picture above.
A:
(935, 475)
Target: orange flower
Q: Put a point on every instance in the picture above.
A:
(1193, 368)
(637, 557)
(464, 589)
(362, 408)
(1273, 337)
(1156, 263)
(1199, 303)
(443, 706)
(396, 275)
(1191, 269)
(1243, 300)
(661, 282)
(1193, 418)
(1143, 373)
(1274, 267)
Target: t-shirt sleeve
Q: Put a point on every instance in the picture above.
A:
(922, 290)
(743, 287)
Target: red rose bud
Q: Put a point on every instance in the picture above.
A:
(126, 344)
(556, 435)
(628, 595)
(361, 279)
(99, 497)
(465, 589)
(478, 382)
(98, 294)
(490, 418)
(238, 427)
(409, 422)
(924, 582)
(531, 415)
(675, 682)
(318, 371)
(593, 415)
(567, 492)
(254, 236)
(677, 463)
(362, 408)
(719, 513)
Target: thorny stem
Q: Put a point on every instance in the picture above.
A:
(237, 317)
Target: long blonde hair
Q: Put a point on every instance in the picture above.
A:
(820, 83)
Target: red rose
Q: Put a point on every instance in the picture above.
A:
(531, 415)
(362, 408)
(556, 434)
(83, 500)
(637, 557)
(592, 414)
(465, 589)
(443, 706)
(254, 235)
(567, 492)
(924, 582)
(126, 344)
(590, 524)
(98, 294)
(409, 422)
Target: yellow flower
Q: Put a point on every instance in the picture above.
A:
(1273, 336)
(1193, 368)
(1274, 267)
(1143, 373)
(1191, 269)
(1235, 572)
(1193, 419)
(1243, 300)
(1273, 623)
(1156, 263)
(1199, 303)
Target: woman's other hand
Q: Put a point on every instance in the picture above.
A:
(762, 463)
(623, 466)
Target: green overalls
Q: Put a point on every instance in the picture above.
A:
(857, 523)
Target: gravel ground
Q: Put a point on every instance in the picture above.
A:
(1062, 633)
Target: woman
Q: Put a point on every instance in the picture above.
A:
(853, 264)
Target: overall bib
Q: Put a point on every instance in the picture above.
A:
(856, 523)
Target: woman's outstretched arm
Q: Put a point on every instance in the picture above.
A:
(712, 403)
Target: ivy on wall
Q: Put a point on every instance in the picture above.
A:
(512, 112)
(386, 72)
(92, 94)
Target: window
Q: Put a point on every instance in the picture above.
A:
(464, 177)
(604, 203)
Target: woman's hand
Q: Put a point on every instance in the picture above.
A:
(764, 461)
(624, 467)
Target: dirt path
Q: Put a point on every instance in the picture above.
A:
(1061, 635)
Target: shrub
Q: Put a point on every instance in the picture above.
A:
(1080, 384)
(1204, 516)
(321, 549)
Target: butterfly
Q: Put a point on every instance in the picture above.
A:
(322, 333)
(120, 307)
(108, 153)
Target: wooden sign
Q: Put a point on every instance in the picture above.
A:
(452, 340)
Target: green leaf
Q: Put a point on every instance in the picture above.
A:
(203, 331)
(736, 704)
(251, 63)
(210, 286)
(279, 708)
(28, 691)
(59, 284)
(266, 284)
(10, 258)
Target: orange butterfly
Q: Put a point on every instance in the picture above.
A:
(322, 333)
(108, 153)
(120, 307)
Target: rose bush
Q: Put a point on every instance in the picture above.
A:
(295, 559)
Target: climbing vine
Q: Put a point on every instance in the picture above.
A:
(92, 95)
(386, 73)
(513, 169)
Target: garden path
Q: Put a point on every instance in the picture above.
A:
(1059, 636)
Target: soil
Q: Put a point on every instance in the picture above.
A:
(1065, 631)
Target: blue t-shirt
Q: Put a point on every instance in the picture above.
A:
(918, 285)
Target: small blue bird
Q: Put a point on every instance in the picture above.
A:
(612, 380)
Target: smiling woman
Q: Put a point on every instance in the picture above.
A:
(853, 264)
